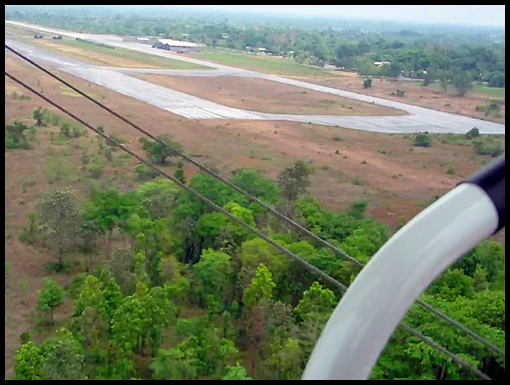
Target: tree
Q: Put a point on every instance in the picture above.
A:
(236, 372)
(214, 275)
(317, 302)
(121, 265)
(90, 231)
(111, 209)
(367, 83)
(261, 287)
(50, 297)
(39, 117)
(497, 79)
(179, 173)
(462, 83)
(58, 358)
(157, 152)
(444, 81)
(294, 180)
(178, 363)
(60, 219)
(28, 362)
(63, 358)
(129, 321)
(91, 295)
(111, 300)
(17, 136)
(158, 197)
(252, 182)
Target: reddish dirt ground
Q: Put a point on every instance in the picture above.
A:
(266, 96)
(396, 185)
(415, 93)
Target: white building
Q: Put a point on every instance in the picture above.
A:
(176, 45)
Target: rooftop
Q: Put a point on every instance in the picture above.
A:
(177, 43)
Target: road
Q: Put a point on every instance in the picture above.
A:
(118, 79)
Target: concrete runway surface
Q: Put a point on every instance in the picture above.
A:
(191, 107)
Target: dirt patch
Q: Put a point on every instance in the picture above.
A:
(415, 93)
(267, 96)
(399, 183)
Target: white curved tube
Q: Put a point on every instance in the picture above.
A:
(381, 294)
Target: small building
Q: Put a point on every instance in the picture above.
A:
(225, 36)
(141, 40)
(176, 46)
(382, 63)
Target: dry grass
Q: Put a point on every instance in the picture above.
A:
(394, 185)
(267, 96)
(415, 93)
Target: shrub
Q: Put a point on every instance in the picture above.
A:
(367, 83)
(382, 151)
(486, 147)
(96, 169)
(108, 154)
(85, 158)
(473, 133)
(364, 161)
(18, 135)
(338, 139)
(77, 132)
(144, 172)
(357, 180)
(74, 288)
(27, 182)
(115, 138)
(53, 267)
(65, 130)
(55, 119)
(422, 139)
(39, 117)
(451, 171)
(28, 234)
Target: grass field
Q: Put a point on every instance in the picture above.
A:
(265, 64)
(143, 58)
(491, 92)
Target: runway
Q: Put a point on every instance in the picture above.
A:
(191, 107)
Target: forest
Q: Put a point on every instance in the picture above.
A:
(446, 55)
(183, 292)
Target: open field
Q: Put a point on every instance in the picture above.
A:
(267, 96)
(493, 92)
(396, 182)
(415, 93)
(261, 63)
(103, 56)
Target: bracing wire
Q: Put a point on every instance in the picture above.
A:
(252, 198)
(297, 258)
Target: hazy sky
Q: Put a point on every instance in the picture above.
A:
(490, 15)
